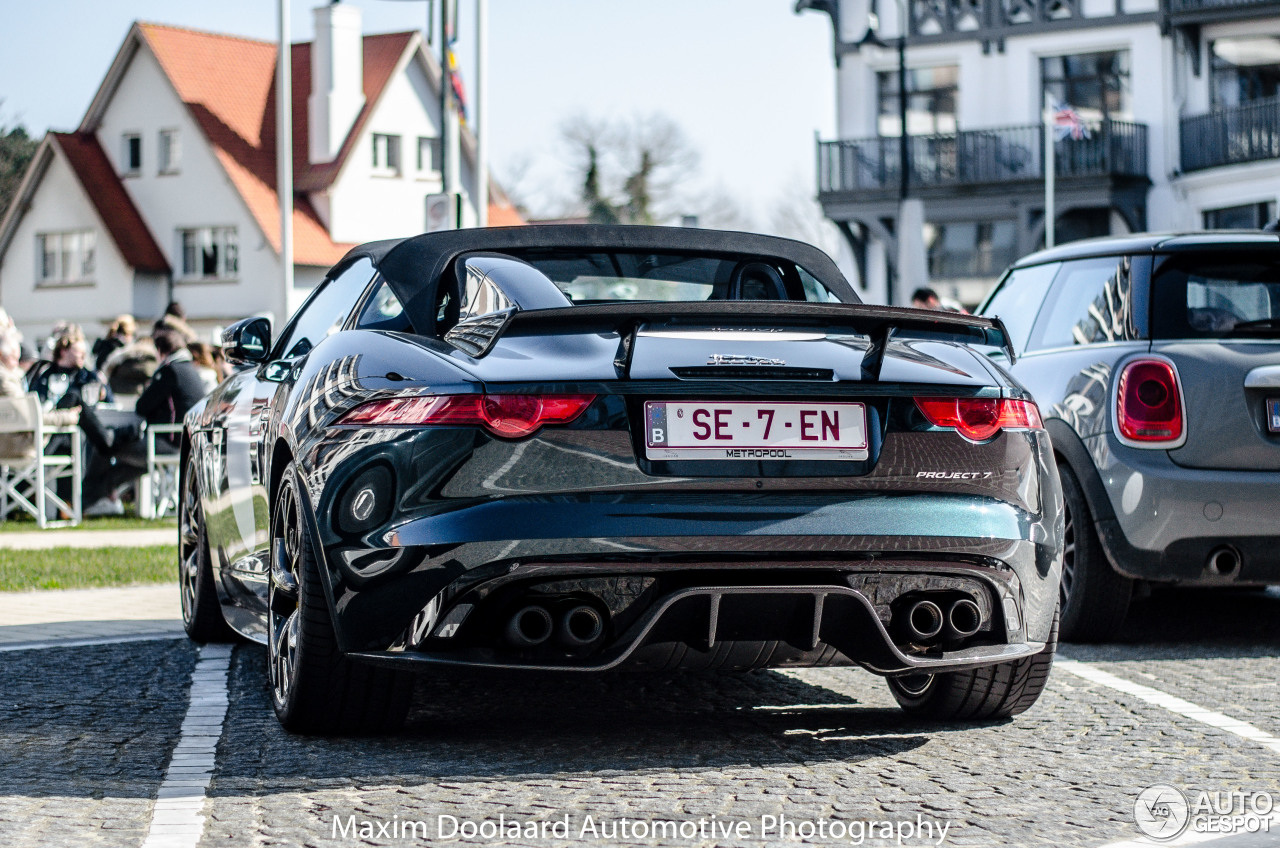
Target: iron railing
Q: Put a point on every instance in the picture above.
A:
(1247, 133)
(976, 157)
(1204, 5)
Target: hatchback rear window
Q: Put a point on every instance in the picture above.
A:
(1211, 298)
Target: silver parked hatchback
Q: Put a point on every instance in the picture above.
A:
(1155, 360)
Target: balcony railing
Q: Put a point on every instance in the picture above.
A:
(1248, 133)
(1177, 6)
(978, 157)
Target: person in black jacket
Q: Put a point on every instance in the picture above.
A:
(120, 452)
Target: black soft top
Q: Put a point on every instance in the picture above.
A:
(414, 266)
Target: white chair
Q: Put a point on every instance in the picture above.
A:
(29, 478)
(158, 489)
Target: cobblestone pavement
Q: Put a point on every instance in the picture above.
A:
(87, 732)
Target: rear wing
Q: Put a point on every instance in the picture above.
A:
(879, 323)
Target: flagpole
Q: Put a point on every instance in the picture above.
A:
(1050, 167)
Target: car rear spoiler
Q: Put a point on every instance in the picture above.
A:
(879, 323)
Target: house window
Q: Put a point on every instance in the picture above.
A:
(931, 101)
(210, 253)
(170, 151)
(430, 155)
(386, 154)
(1250, 216)
(66, 257)
(1243, 70)
(131, 153)
(1095, 84)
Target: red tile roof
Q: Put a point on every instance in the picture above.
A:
(228, 84)
(95, 172)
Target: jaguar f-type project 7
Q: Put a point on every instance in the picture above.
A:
(586, 449)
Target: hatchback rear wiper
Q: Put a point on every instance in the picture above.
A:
(1260, 323)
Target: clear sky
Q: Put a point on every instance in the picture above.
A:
(749, 81)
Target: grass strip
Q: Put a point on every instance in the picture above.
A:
(84, 568)
(27, 524)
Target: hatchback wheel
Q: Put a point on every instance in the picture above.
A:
(1094, 598)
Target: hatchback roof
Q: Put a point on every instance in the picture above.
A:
(1151, 243)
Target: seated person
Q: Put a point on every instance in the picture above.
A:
(120, 451)
(66, 382)
(16, 445)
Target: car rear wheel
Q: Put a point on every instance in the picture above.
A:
(314, 687)
(978, 694)
(201, 612)
(1094, 598)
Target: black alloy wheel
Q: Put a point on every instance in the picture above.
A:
(201, 611)
(314, 687)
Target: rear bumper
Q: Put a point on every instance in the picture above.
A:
(841, 624)
(839, 551)
(1168, 519)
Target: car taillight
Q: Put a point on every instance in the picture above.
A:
(1149, 403)
(978, 419)
(508, 416)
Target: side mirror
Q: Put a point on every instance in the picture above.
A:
(247, 342)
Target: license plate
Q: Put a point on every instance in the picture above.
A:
(1273, 415)
(756, 431)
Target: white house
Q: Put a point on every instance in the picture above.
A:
(167, 189)
(1178, 102)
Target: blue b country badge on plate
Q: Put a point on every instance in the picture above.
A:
(1273, 415)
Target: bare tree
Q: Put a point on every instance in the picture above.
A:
(629, 171)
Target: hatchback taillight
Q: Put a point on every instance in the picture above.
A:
(508, 416)
(1149, 403)
(978, 419)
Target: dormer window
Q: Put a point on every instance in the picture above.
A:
(170, 151)
(131, 154)
(386, 155)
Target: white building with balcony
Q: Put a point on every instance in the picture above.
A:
(1178, 100)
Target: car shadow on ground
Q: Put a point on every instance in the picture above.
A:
(1193, 624)
(485, 726)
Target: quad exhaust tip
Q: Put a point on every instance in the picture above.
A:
(924, 620)
(529, 627)
(580, 626)
(1223, 561)
(964, 618)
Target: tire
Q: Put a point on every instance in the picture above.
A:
(314, 687)
(201, 611)
(1094, 598)
(978, 694)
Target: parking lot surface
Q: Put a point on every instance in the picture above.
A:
(815, 756)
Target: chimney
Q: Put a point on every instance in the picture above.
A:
(337, 79)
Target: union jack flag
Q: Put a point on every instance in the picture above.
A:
(1067, 122)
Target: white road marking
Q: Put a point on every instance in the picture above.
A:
(80, 643)
(594, 457)
(491, 482)
(177, 821)
(1186, 709)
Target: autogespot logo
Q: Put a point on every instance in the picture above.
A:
(1161, 812)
